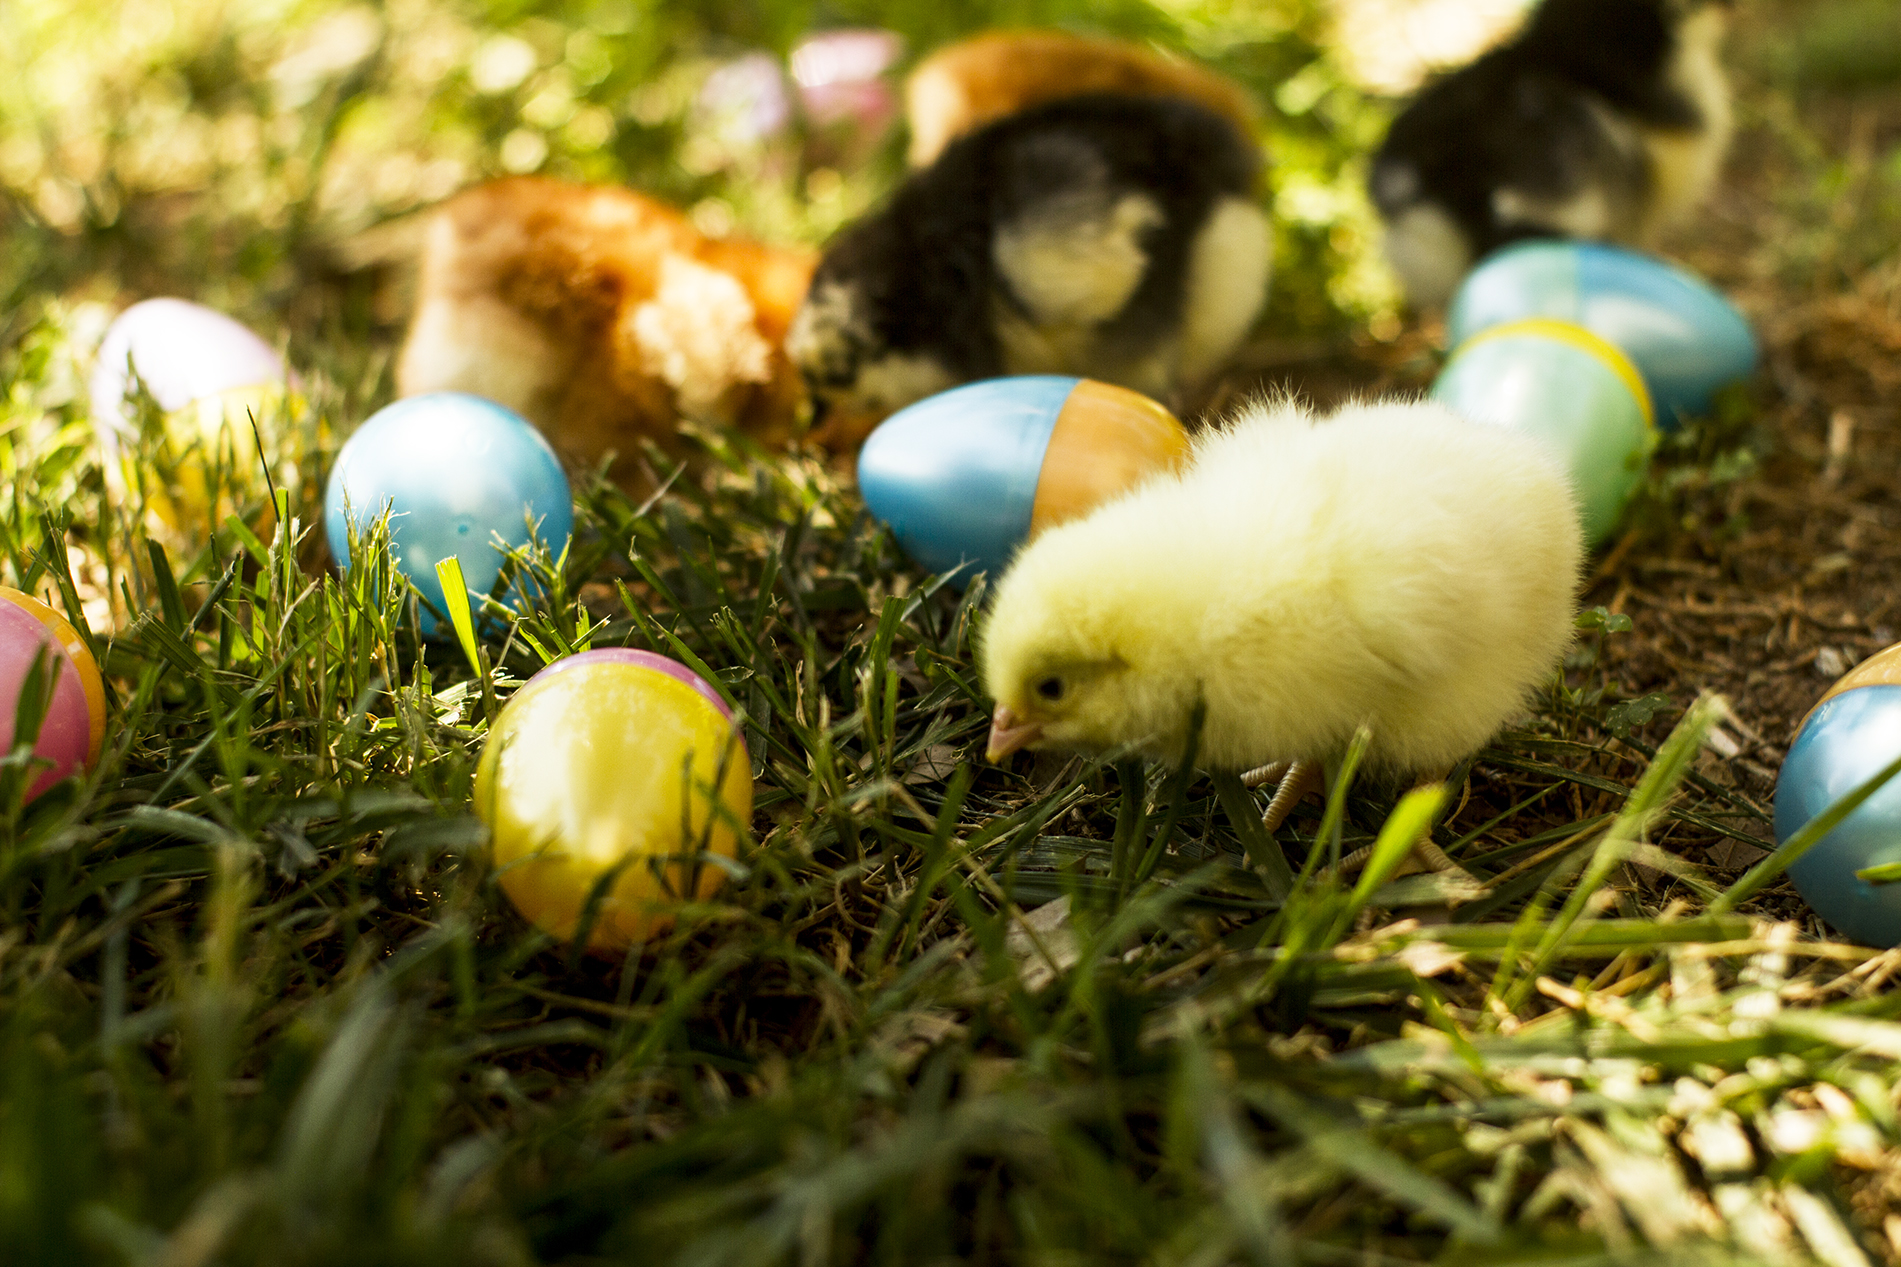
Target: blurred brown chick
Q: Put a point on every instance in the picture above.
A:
(604, 317)
(965, 85)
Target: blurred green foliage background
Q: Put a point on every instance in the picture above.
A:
(245, 152)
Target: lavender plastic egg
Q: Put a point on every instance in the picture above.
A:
(745, 101)
(183, 352)
(456, 471)
(213, 379)
(73, 731)
(1568, 388)
(1683, 336)
(966, 476)
(1846, 739)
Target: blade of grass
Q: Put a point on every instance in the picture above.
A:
(1806, 838)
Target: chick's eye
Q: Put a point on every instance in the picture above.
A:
(1050, 688)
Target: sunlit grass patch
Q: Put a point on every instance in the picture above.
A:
(259, 963)
(263, 999)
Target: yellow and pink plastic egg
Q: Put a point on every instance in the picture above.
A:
(618, 763)
(74, 728)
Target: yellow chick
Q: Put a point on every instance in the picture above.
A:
(1393, 566)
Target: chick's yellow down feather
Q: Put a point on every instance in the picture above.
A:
(1393, 565)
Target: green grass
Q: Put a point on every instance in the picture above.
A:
(1847, 43)
(261, 999)
(265, 1002)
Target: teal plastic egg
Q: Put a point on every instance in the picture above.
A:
(966, 476)
(1684, 337)
(456, 471)
(1846, 739)
(1571, 389)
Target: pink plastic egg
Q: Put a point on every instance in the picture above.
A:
(844, 90)
(841, 76)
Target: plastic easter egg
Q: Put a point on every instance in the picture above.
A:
(1846, 739)
(183, 352)
(1569, 388)
(646, 660)
(1684, 337)
(74, 728)
(968, 475)
(456, 471)
(608, 762)
(213, 378)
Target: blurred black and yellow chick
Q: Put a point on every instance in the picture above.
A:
(1601, 119)
(1113, 237)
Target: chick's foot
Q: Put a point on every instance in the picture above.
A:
(1272, 772)
(1300, 778)
(1426, 854)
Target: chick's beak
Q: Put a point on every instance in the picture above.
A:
(1007, 734)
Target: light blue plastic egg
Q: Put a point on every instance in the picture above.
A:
(966, 476)
(1845, 740)
(456, 471)
(1568, 388)
(1685, 338)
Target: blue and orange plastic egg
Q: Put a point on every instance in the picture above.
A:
(456, 471)
(1569, 388)
(74, 727)
(968, 475)
(1683, 336)
(1850, 734)
(615, 763)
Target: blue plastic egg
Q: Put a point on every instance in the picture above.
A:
(1683, 336)
(968, 475)
(1569, 388)
(457, 471)
(1845, 740)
